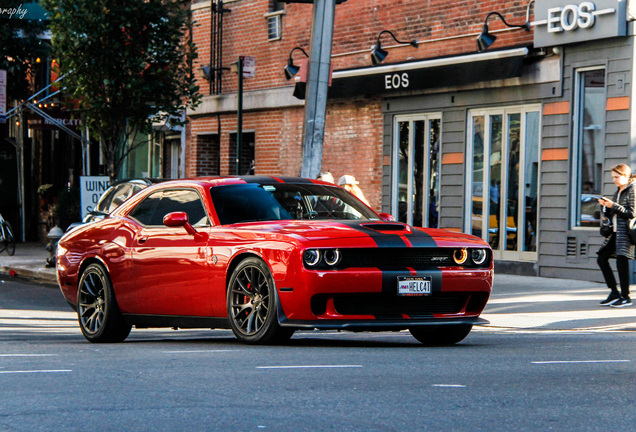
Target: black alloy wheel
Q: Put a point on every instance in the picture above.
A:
(99, 317)
(252, 303)
(448, 334)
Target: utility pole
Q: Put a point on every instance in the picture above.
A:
(317, 86)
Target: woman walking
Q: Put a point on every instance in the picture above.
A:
(621, 209)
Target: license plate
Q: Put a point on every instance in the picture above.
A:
(414, 286)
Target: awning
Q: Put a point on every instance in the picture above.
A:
(425, 74)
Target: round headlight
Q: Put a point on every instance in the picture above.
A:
(331, 256)
(478, 256)
(460, 256)
(311, 257)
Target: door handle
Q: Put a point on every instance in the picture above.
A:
(142, 240)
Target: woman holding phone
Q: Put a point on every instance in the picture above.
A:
(620, 209)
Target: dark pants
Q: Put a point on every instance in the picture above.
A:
(622, 265)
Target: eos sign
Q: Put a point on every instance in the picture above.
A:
(396, 81)
(560, 22)
(571, 17)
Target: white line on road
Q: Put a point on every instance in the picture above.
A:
(196, 352)
(309, 367)
(29, 355)
(579, 361)
(450, 385)
(36, 371)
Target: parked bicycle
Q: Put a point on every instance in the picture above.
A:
(7, 241)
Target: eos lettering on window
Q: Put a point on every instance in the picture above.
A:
(571, 17)
(560, 22)
(396, 81)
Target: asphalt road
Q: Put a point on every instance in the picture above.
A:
(51, 379)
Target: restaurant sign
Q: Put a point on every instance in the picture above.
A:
(562, 22)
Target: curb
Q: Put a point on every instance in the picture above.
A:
(42, 275)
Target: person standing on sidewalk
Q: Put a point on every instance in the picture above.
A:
(621, 209)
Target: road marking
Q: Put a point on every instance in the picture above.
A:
(309, 367)
(36, 371)
(579, 361)
(449, 385)
(29, 355)
(196, 352)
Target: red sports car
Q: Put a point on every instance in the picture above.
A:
(266, 256)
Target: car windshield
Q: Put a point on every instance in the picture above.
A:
(254, 202)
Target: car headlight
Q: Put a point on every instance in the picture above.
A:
(460, 256)
(331, 257)
(311, 257)
(478, 256)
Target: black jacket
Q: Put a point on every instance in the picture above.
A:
(625, 210)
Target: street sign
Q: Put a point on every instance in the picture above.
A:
(3, 92)
(91, 189)
(249, 66)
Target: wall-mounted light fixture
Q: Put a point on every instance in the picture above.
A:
(485, 39)
(291, 69)
(378, 54)
(204, 72)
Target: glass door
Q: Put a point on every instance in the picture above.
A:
(416, 162)
(503, 170)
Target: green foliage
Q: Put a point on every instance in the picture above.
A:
(19, 46)
(124, 62)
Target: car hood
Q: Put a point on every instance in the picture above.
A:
(369, 233)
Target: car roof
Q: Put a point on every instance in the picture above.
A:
(233, 180)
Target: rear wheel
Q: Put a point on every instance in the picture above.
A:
(252, 303)
(441, 334)
(98, 314)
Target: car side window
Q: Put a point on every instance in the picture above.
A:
(145, 210)
(152, 210)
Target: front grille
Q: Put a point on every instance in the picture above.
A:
(383, 306)
(396, 257)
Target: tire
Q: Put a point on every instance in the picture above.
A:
(97, 312)
(252, 304)
(441, 334)
(9, 239)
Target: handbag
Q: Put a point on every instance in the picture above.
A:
(606, 226)
(631, 230)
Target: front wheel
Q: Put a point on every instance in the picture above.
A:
(441, 334)
(97, 311)
(252, 302)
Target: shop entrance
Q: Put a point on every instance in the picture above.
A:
(416, 174)
(503, 170)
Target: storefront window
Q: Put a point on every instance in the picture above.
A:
(504, 187)
(588, 147)
(416, 193)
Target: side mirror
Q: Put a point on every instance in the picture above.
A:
(386, 217)
(179, 219)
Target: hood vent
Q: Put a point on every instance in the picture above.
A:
(386, 226)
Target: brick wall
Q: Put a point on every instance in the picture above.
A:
(357, 24)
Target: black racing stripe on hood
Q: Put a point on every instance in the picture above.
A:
(420, 239)
(381, 239)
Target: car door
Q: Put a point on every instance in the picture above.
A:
(170, 266)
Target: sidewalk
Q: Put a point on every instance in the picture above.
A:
(518, 303)
(28, 262)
